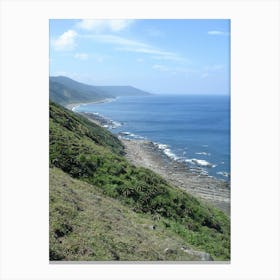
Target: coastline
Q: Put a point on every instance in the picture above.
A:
(71, 106)
(143, 153)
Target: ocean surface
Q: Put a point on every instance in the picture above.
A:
(191, 129)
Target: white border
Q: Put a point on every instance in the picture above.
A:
(255, 137)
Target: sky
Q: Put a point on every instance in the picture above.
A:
(166, 56)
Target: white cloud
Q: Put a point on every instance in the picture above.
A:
(137, 47)
(140, 60)
(217, 32)
(151, 50)
(65, 42)
(117, 40)
(119, 24)
(81, 56)
(169, 56)
(156, 53)
(100, 25)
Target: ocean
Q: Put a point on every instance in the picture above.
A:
(192, 129)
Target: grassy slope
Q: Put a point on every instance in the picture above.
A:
(87, 225)
(92, 154)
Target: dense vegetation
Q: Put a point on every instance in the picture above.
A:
(90, 153)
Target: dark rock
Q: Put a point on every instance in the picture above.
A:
(153, 227)
(169, 251)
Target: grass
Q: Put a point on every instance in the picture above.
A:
(87, 225)
(91, 154)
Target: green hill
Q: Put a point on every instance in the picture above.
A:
(65, 91)
(91, 164)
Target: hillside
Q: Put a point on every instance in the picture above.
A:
(88, 225)
(64, 91)
(93, 157)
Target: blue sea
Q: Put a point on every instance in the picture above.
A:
(191, 129)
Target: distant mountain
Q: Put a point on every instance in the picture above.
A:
(64, 91)
(123, 91)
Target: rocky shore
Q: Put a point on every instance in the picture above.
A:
(146, 154)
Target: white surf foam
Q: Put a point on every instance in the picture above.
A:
(166, 150)
(200, 162)
(129, 135)
(203, 153)
(225, 174)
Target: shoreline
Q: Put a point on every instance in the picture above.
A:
(71, 106)
(144, 153)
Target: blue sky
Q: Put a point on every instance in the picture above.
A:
(160, 56)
